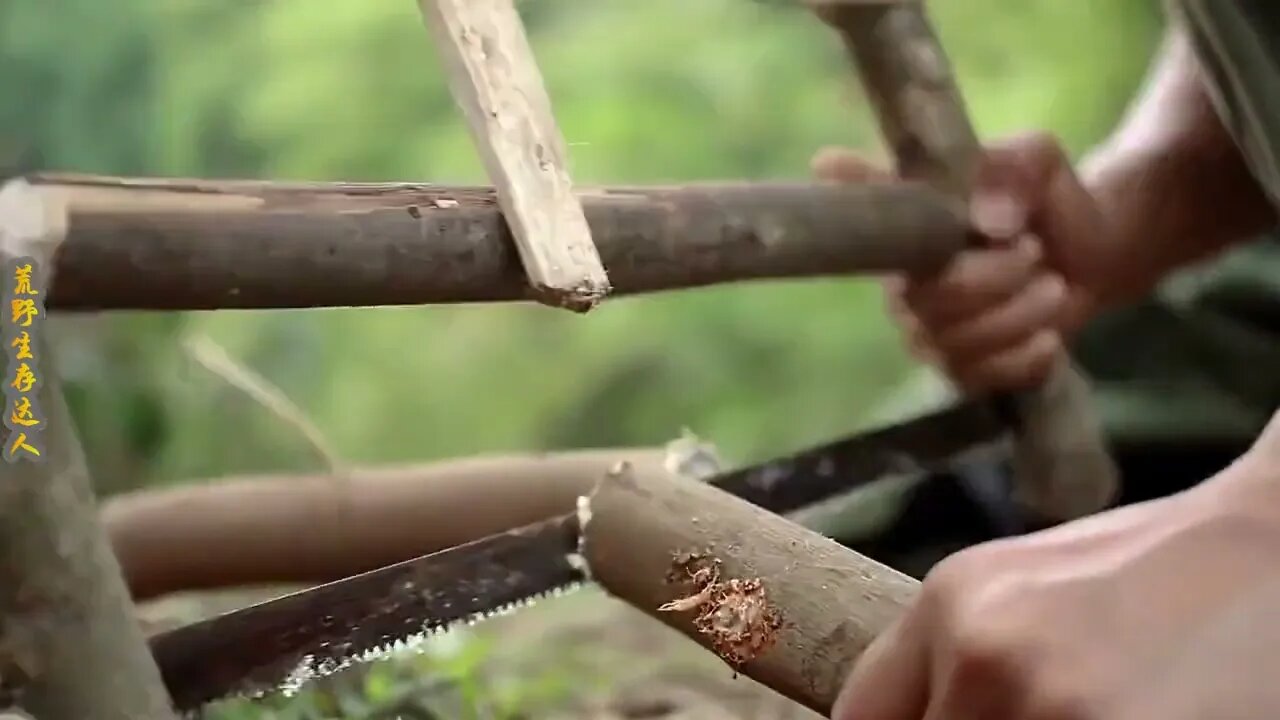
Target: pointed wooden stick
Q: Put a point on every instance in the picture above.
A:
(494, 78)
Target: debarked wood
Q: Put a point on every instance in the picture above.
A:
(781, 604)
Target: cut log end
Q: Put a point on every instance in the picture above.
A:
(580, 297)
(778, 603)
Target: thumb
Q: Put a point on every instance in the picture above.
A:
(1033, 176)
(891, 679)
(1027, 183)
(843, 165)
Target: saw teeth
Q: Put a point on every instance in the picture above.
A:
(308, 670)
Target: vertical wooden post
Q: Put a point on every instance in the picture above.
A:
(1062, 465)
(494, 78)
(70, 648)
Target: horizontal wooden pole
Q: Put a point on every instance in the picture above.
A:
(173, 244)
(315, 528)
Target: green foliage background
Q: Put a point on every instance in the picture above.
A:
(659, 91)
(654, 91)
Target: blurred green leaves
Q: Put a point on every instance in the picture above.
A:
(656, 91)
(661, 91)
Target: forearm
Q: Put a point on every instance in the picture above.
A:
(1171, 182)
(1267, 447)
(1252, 483)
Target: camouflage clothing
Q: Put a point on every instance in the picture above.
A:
(1200, 359)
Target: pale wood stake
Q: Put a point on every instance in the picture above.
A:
(494, 78)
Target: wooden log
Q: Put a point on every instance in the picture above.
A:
(70, 648)
(494, 78)
(784, 605)
(315, 528)
(627, 665)
(1063, 467)
(143, 244)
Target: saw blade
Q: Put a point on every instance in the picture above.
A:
(282, 643)
(928, 443)
(279, 644)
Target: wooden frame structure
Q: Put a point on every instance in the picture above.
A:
(115, 243)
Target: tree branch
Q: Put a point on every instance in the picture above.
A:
(70, 647)
(1063, 468)
(197, 244)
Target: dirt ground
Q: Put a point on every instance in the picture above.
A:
(620, 664)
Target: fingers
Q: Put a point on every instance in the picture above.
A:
(1023, 366)
(836, 164)
(993, 318)
(1028, 181)
(1002, 334)
(1000, 216)
(1017, 175)
(891, 679)
(989, 320)
(1006, 325)
(972, 282)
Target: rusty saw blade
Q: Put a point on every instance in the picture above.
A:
(281, 643)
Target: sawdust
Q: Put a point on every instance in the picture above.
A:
(616, 656)
(735, 614)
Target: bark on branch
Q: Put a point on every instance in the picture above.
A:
(782, 604)
(202, 244)
(70, 648)
(1063, 467)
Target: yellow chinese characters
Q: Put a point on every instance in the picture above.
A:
(24, 378)
(23, 343)
(20, 442)
(22, 311)
(21, 414)
(22, 280)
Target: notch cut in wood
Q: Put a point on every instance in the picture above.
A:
(494, 78)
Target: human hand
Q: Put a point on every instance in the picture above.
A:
(994, 318)
(1159, 611)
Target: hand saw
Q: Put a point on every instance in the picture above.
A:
(281, 643)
